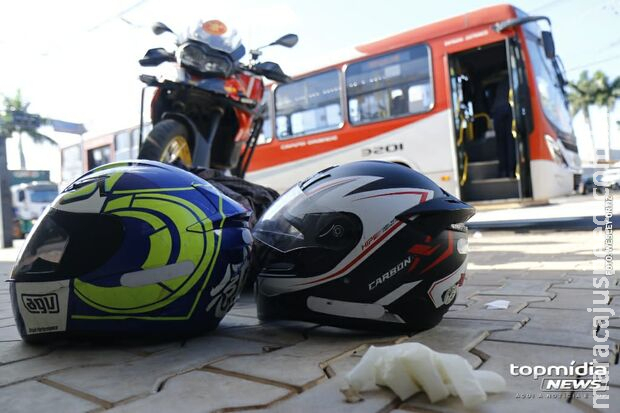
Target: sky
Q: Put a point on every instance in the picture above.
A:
(77, 60)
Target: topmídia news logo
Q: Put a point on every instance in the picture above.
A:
(586, 377)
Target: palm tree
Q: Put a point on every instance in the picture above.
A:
(580, 98)
(605, 95)
(9, 124)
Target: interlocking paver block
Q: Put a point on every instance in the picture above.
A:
(516, 302)
(483, 279)
(9, 333)
(32, 396)
(568, 299)
(233, 321)
(531, 288)
(60, 359)
(326, 397)
(244, 309)
(488, 325)
(477, 310)
(581, 282)
(279, 333)
(495, 277)
(465, 292)
(452, 340)
(304, 361)
(202, 391)
(121, 380)
(578, 321)
(12, 351)
(477, 313)
(545, 336)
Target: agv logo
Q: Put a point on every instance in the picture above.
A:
(41, 303)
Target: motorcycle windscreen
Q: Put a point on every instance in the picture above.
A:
(228, 42)
(66, 245)
(295, 221)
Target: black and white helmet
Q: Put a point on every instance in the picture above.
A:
(368, 245)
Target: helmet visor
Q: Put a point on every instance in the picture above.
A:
(65, 245)
(297, 221)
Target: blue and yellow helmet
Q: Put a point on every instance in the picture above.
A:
(133, 248)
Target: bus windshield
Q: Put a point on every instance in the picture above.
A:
(44, 195)
(551, 95)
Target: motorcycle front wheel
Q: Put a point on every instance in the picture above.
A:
(168, 142)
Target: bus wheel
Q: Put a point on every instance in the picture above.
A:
(168, 142)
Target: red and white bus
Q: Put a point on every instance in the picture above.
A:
(475, 102)
(95, 151)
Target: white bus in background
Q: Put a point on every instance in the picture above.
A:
(29, 200)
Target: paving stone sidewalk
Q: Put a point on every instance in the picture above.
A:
(295, 366)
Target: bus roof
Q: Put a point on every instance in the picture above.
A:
(486, 15)
(36, 185)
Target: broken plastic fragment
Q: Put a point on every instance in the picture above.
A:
(409, 368)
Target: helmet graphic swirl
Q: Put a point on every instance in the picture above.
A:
(137, 248)
(370, 245)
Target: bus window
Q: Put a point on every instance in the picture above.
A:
(135, 143)
(122, 144)
(99, 156)
(390, 86)
(309, 105)
(266, 134)
(549, 88)
(71, 163)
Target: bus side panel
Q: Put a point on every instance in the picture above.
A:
(425, 145)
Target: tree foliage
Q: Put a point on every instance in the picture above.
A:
(8, 127)
(596, 91)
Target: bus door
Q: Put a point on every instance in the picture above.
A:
(521, 126)
(486, 138)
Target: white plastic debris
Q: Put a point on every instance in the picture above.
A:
(409, 368)
(497, 305)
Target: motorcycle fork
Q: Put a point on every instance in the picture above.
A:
(201, 153)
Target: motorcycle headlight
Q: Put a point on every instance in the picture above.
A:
(195, 58)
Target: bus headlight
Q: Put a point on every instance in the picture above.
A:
(555, 151)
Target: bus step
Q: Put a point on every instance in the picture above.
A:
(483, 170)
(480, 150)
(495, 188)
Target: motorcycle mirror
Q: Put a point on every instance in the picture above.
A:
(288, 40)
(159, 28)
(271, 71)
(149, 80)
(157, 56)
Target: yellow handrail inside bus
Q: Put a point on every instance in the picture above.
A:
(465, 165)
(485, 116)
(459, 141)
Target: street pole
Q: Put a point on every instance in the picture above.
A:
(6, 208)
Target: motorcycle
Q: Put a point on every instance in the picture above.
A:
(211, 114)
